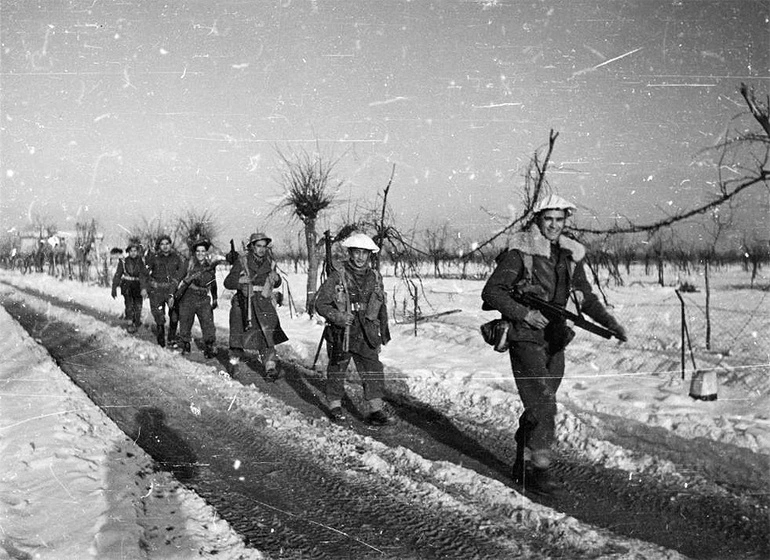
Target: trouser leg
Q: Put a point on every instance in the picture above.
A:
(372, 374)
(236, 325)
(538, 376)
(206, 319)
(173, 322)
(335, 379)
(138, 304)
(186, 319)
(127, 305)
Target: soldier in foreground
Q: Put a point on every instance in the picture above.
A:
(254, 323)
(352, 300)
(545, 263)
(196, 296)
(165, 268)
(129, 275)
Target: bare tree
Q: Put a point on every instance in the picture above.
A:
(437, 247)
(719, 223)
(310, 188)
(751, 146)
(149, 231)
(756, 252)
(535, 188)
(195, 225)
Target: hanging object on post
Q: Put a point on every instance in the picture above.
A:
(703, 386)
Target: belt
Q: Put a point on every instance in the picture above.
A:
(201, 289)
(155, 284)
(129, 278)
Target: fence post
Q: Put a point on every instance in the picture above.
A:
(681, 300)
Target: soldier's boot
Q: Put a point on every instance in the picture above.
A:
(209, 350)
(172, 342)
(185, 347)
(377, 415)
(235, 356)
(540, 481)
(161, 336)
(271, 368)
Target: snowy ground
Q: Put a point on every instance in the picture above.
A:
(64, 461)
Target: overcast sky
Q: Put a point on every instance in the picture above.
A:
(124, 111)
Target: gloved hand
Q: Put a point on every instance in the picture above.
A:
(535, 319)
(273, 277)
(170, 301)
(620, 334)
(114, 293)
(618, 330)
(343, 319)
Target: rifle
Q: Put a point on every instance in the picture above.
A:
(232, 256)
(328, 268)
(552, 311)
(187, 280)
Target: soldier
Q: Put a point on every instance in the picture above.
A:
(352, 300)
(193, 295)
(129, 276)
(165, 269)
(548, 264)
(253, 319)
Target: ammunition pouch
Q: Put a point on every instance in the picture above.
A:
(558, 335)
(495, 333)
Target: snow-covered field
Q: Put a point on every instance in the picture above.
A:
(54, 444)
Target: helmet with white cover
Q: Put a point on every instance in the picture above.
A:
(555, 202)
(360, 241)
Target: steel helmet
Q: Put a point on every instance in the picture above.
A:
(360, 241)
(555, 202)
(259, 236)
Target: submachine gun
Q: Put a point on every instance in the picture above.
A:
(495, 332)
(552, 312)
(187, 280)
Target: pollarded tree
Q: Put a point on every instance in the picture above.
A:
(194, 226)
(309, 189)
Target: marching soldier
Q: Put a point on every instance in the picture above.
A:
(129, 275)
(549, 265)
(197, 295)
(352, 300)
(254, 322)
(165, 269)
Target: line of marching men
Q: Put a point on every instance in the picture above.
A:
(541, 261)
(352, 300)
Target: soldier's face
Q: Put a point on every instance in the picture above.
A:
(200, 253)
(165, 247)
(551, 223)
(259, 248)
(359, 257)
(133, 252)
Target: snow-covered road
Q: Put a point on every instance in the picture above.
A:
(480, 406)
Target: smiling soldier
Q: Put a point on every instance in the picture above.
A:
(546, 263)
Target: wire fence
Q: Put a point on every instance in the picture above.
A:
(737, 346)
